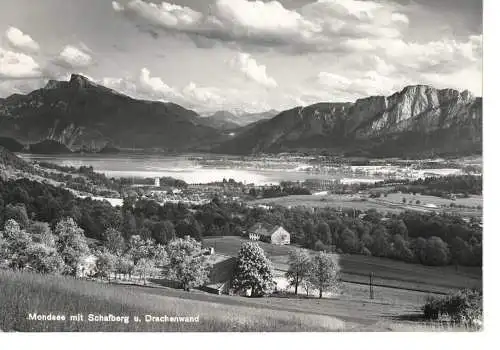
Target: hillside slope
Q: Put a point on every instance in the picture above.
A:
(10, 160)
(419, 119)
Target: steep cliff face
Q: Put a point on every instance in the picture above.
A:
(79, 113)
(416, 119)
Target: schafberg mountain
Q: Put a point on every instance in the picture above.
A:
(417, 120)
(80, 113)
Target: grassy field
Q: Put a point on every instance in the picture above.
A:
(472, 201)
(22, 294)
(356, 268)
(390, 204)
(328, 201)
(25, 293)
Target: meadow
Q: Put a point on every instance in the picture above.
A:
(25, 293)
(393, 203)
(356, 268)
(350, 310)
(328, 201)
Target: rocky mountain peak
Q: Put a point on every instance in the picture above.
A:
(54, 84)
(76, 81)
(80, 81)
(466, 95)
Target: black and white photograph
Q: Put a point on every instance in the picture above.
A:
(241, 166)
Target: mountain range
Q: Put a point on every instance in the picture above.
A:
(417, 120)
(81, 114)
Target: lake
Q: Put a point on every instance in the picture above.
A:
(198, 168)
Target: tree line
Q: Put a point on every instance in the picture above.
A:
(66, 251)
(429, 239)
(443, 186)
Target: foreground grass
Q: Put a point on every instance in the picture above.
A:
(25, 293)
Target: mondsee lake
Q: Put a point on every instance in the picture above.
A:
(196, 168)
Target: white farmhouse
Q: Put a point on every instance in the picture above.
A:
(268, 233)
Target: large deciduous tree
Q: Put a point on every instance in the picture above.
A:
(145, 256)
(106, 264)
(380, 246)
(42, 233)
(17, 213)
(71, 244)
(324, 233)
(437, 252)
(299, 264)
(163, 232)
(401, 249)
(253, 270)
(114, 241)
(186, 263)
(16, 243)
(348, 241)
(44, 258)
(324, 272)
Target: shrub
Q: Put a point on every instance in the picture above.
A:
(464, 307)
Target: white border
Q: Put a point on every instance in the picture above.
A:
(371, 341)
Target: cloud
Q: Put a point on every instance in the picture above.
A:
(399, 17)
(14, 65)
(415, 60)
(154, 86)
(469, 79)
(359, 85)
(197, 96)
(252, 70)
(146, 86)
(116, 6)
(442, 63)
(318, 26)
(72, 57)
(21, 41)
(24, 86)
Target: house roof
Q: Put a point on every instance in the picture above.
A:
(263, 229)
(222, 269)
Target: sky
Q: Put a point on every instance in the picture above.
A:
(242, 55)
